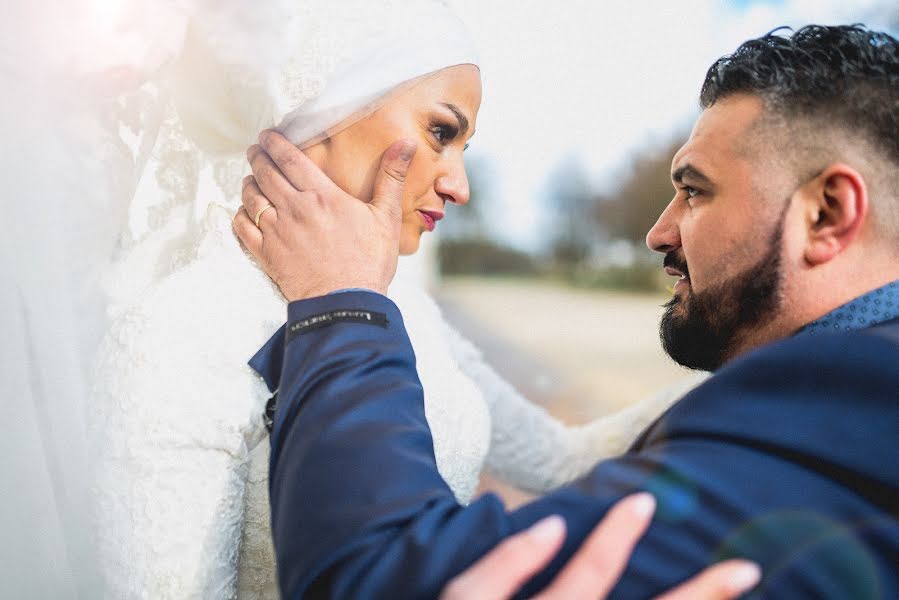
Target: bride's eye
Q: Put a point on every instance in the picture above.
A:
(444, 133)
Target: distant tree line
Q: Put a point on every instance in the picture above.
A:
(467, 245)
(597, 231)
(628, 211)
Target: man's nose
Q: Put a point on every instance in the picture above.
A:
(665, 234)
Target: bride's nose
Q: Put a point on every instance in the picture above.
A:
(453, 186)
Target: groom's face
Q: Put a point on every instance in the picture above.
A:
(723, 237)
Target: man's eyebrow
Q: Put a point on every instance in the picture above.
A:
(463, 120)
(691, 172)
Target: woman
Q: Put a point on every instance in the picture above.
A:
(181, 484)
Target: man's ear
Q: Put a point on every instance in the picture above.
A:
(836, 206)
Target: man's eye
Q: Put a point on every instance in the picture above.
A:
(691, 192)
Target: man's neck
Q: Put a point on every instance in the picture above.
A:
(800, 308)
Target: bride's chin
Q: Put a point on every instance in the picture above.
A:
(409, 242)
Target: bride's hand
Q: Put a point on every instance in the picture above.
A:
(311, 237)
(595, 568)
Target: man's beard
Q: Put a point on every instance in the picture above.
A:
(704, 333)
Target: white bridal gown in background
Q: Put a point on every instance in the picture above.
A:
(182, 484)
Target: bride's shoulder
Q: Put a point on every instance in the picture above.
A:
(214, 294)
(179, 337)
(179, 346)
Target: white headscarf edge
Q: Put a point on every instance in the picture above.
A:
(349, 56)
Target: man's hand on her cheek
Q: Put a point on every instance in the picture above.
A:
(310, 236)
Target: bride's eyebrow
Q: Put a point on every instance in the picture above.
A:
(463, 120)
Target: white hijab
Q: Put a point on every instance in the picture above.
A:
(346, 56)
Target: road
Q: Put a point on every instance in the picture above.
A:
(580, 353)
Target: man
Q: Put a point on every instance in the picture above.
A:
(785, 232)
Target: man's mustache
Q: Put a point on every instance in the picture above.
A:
(677, 260)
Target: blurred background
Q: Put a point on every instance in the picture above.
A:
(585, 104)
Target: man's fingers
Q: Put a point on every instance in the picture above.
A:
(271, 182)
(257, 204)
(726, 580)
(247, 232)
(599, 562)
(300, 171)
(391, 178)
(500, 573)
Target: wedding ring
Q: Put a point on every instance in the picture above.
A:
(262, 210)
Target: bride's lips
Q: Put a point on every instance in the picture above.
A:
(430, 217)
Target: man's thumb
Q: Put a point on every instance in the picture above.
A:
(388, 191)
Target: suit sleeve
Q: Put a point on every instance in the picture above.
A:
(358, 507)
(360, 511)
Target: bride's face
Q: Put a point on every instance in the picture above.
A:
(439, 114)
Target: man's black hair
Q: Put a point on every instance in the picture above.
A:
(845, 76)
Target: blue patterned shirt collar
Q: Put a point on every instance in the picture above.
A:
(877, 306)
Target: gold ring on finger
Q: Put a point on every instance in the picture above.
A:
(262, 210)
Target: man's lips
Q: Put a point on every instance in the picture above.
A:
(674, 272)
(430, 218)
(680, 283)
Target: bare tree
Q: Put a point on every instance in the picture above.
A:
(629, 209)
(571, 200)
(467, 244)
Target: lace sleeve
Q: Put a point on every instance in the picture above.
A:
(535, 452)
(177, 421)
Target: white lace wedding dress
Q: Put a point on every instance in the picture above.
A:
(182, 484)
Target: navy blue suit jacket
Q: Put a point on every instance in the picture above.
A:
(788, 456)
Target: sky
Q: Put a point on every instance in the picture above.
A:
(599, 80)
